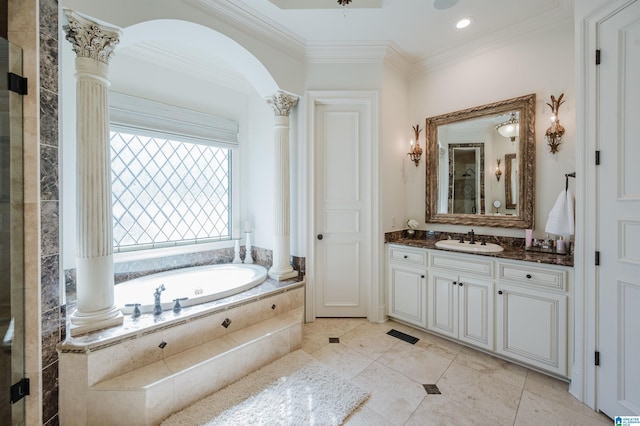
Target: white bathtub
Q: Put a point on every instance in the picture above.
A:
(198, 284)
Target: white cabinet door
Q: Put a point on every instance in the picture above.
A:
(407, 294)
(443, 303)
(532, 327)
(461, 308)
(475, 300)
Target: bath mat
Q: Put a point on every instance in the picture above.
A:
(294, 390)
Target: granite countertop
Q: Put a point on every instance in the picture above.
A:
(513, 247)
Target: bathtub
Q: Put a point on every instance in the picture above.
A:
(199, 284)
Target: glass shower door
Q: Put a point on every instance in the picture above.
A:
(12, 410)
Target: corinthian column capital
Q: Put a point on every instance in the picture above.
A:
(282, 103)
(90, 39)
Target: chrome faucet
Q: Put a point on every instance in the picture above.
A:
(157, 307)
(472, 236)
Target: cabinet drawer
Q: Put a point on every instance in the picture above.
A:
(461, 265)
(405, 256)
(548, 278)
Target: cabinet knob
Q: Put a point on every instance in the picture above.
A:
(320, 236)
(529, 276)
(421, 276)
(455, 283)
(499, 291)
(405, 256)
(460, 284)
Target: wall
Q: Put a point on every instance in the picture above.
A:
(540, 63)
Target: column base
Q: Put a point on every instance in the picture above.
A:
(283, 275)
(82, 323)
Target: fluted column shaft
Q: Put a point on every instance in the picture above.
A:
(281, 268)
(93, 45)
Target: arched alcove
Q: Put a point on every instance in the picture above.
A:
(207, 40)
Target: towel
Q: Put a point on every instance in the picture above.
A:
(561, 217)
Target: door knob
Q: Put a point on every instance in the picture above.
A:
(320, 236)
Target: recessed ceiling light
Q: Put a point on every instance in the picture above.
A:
(464, 23)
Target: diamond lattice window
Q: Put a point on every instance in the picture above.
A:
(167, 192)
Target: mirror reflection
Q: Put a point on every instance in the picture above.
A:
(462, 145)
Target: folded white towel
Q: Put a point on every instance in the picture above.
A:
(561, 217)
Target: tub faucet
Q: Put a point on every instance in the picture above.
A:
(157, 307)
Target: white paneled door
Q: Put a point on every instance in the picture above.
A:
(618, 375)
(342, 208)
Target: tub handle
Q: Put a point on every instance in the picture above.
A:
(176, 305)
(136, 309)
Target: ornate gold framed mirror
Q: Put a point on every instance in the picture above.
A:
(504, 129)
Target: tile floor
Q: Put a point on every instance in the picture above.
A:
(476, 389)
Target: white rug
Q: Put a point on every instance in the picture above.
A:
(294, 390)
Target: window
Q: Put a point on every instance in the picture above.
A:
(171, 172)
(168, 192)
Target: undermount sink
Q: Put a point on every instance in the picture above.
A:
(466, 246)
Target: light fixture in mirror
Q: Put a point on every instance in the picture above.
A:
(509, 129)
(477, 127)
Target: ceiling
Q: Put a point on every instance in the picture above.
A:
(417, 34)
(417, 28)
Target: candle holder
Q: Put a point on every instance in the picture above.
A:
(236, 252)
(247, 257)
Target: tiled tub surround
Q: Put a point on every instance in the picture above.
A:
(150, 367)
(513, 247)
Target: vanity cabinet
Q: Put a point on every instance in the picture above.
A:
(407, 285)
(515, 309)
(531, 316)
(461, 307)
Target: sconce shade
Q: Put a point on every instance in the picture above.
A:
(498, 171)
(509, 129)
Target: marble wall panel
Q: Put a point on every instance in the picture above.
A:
(50, 337)
(50, 394)
(50, 224)
(49, 180)
(50, 283)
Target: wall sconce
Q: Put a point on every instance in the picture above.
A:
(416, 149)
(498, 171)
(555, 132)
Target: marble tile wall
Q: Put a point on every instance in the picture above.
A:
(52, 311)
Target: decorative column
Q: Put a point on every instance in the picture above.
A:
(93, 44)
(281, 268)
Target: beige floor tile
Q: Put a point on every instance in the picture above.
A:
(495, 367)
(556, 391)
(312, 341)
(364, 416)
(489, 397)
(335, 327)
(535, 410)
(393, 396)
(441, 410)
(370, 339)
(423, 365)
(342, 359)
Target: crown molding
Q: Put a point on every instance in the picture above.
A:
(248, 22)
(377, 52)
(189, 65)
(505, 36)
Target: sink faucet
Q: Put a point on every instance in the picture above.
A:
(157, 307)
(472, 237)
